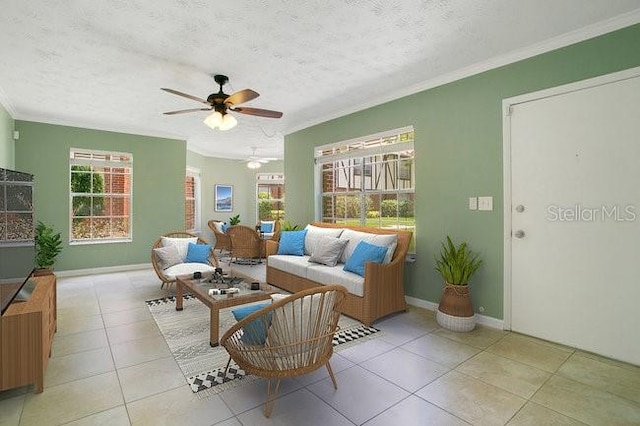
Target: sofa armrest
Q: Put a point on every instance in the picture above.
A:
(271, 247)
(384, 283)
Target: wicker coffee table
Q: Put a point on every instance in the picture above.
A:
(200, 289)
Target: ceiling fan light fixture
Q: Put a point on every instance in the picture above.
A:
(214, 120)
(228, 122)
(253, 164)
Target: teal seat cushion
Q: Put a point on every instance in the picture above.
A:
(255, 333)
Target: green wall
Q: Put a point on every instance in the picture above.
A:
(158, 188)
(458, 131)
(7, 153)
(228, 172)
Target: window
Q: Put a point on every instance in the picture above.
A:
(270, 199)
(192, 200)
(100, 196)
(368, 181)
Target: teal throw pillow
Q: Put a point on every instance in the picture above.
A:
(292, 242)
(266, 227)
(225, 227)
(255, 333)
(363, 253)
(198, 253)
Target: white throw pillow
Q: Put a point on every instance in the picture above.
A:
(328, 250)
(182, 244)
(167, 256)
(218, 226)
(314, 233)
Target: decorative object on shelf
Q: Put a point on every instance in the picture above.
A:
(456, 265)
(223, 198)
(234, 220)
(48, 245)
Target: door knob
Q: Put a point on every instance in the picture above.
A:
(519, 233)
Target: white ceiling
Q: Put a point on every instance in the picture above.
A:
(100, 64)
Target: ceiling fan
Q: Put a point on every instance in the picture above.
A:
(221, 104)
(255, 162)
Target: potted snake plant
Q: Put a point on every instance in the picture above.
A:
(456, 265)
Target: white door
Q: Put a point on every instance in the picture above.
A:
(575, 217)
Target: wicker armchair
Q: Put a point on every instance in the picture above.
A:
(245, 243)
(223, 242)
(166, 275)
(290, 337)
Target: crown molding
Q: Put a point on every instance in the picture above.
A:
(97, 126)
(567, 39)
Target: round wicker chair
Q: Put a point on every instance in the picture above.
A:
(290, 337)
(245, 243)
(168, 280)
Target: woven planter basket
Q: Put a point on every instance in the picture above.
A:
(453, 323)
(456, 301)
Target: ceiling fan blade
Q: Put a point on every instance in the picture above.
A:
(187, 110)
(241, 97)
(258, 111)
(185, 95)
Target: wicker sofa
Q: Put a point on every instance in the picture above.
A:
(379, 293)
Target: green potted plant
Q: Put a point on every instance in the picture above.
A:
(456, 265)
(48, 247)
(234, 220)
(287, 226)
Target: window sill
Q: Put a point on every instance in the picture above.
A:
(92, 242)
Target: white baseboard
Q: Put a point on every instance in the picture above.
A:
(103, 270)
(482, 319)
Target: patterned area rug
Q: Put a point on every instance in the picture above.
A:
(187, 335)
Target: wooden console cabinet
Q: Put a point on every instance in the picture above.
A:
(26, 336)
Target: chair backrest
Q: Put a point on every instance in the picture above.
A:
(222, 240)
(299, 338)
(245, 241)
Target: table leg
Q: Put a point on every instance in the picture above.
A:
(178, 296)
(214, 324)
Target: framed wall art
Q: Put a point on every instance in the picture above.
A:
(223, 198)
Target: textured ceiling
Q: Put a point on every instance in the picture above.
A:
(100, 64)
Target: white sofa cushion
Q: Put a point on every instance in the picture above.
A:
(313, 235)
(182, 244)
(187, 269)
(385, 240)
(327, 275)
(296, 265)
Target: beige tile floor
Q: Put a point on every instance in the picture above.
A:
(111, 366)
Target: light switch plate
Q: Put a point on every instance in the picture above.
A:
(473, 203)
(485, 203)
